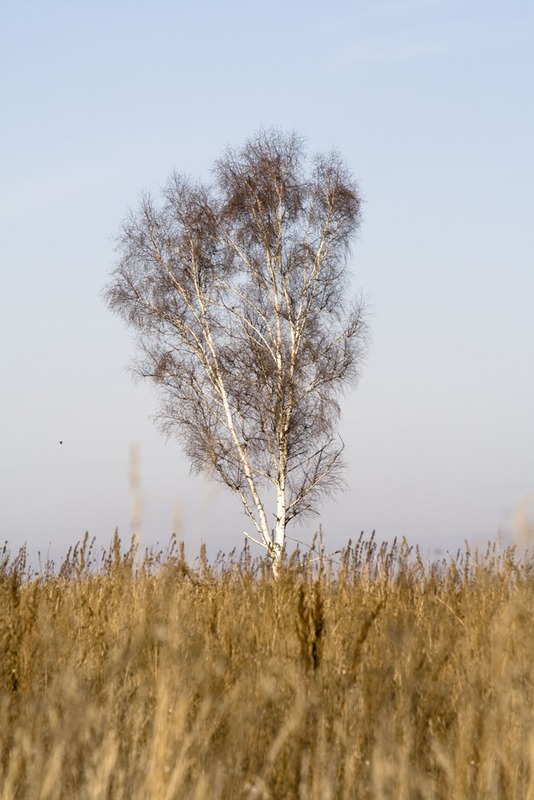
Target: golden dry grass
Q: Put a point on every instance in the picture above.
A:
(383, 677)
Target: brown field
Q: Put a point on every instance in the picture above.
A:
(380, 677)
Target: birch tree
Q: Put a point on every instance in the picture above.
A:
(238, 291)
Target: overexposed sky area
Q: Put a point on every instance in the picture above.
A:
(431, 105)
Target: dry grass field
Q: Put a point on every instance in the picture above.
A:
(378, 677)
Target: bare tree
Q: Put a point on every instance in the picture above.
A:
(237, 291)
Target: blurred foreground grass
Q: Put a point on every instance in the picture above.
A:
(381, 677)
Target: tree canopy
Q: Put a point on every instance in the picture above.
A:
(238, 291)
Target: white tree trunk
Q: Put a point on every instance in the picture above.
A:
(280, 529)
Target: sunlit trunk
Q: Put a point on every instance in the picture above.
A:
(280, 530)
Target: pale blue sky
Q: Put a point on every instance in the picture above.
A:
(431, 105)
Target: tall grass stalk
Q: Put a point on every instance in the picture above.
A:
(381, 677)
